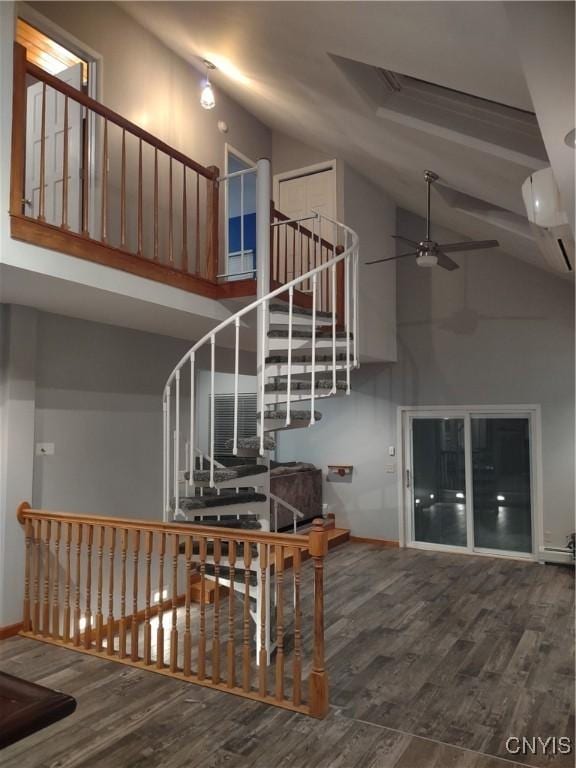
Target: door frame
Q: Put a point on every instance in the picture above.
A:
(532, 412)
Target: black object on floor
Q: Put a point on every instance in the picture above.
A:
(26, 708)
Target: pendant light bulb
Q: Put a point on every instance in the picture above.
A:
(207, 99)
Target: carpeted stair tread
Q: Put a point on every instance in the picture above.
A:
(304, 311)
(209, 502)
(295, 415)
(304, 386)
(228, 473)
(253, 443)
(304, 333)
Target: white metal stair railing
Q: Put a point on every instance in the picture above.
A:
(177, 433)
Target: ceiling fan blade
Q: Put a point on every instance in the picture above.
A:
(392, 258)
(413, 243)
(469, 245)
(446, 262)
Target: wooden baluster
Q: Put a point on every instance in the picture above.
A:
(263, 658)
(46, 584)
(64, 223)
(76, 622)
(147, 627)
(88, 602)
(27, 617)
(279, 573)
(134, 622)
(174, 629)
(42, 190)
(184, 222)
(104, 199)
(160, 630)
(123, 192)
(202, 632)
(99, 616)
(38, 564)
(67, 577)
(216, 636)
(318, 681)
(86, 176)
(155, 204)
(231, 673)
(297, 663)
(110, 622)
(213, 209)
(197, 264)
(140, 206)
(170, 215)
(56, 583)
(122, 623)
(187, 630)
(247, 556)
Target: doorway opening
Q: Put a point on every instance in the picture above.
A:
(240, 205)
(469, 479)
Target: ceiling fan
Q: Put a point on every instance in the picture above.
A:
(430, 253)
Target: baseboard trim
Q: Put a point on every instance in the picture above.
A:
(384, 543)
(560, 555)
(11, 630)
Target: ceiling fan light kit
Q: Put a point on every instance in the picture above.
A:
(428, 252)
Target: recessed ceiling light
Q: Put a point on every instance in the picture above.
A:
(570, 138)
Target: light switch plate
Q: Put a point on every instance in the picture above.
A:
(391, 450)
(44, 449)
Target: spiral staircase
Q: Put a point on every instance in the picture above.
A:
(306, 333)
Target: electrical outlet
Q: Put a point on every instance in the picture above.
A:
(44, 449)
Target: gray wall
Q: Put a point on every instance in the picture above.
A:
(98, 399)
(497, 331)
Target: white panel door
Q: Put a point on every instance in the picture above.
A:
(54, 150)
(302, 195)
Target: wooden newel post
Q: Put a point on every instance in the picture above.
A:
(27, 523)
(318, 693)
(212, 219)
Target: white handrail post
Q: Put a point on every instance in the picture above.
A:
(177, 445)
(192, 416)
(164, 458)
(356, 295)
(236, 367)
(167, 452)
(212, 408)
(263, 197)
(313, 371)
(347, 298)
(289, 381)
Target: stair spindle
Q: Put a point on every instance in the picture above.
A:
(197, 261)
(67, 579)
(279, 574)
(185, 265)
(37, 568)
(28, 533)
(202, 630)
(216, 635)
(246, 655)
(160, 630)
(122, 623)
(187, 665)
(110, 623)
(56, 583)
(140, 221)
(174, 629)
(170, 215)
(134, 622)
(231, 671)
(46, 584)
(263, 657)
(99, 589)
(104, 197)
(88, 593)
(42, 191)
(148, 588)
(297, 660)
(64, 219)
(123, 191)
(76, 621)
(155, 213)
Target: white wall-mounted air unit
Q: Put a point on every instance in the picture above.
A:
(549, 223)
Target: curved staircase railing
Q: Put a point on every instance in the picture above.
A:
(310, 329)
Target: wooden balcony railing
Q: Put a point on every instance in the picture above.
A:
(87, 182)
(296, 249)
(136, 591)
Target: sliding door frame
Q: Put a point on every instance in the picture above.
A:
(467, 412)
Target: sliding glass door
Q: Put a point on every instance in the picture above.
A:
(469, 481)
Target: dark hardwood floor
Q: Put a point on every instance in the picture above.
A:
(434, 659)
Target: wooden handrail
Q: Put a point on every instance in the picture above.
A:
(94, 564)
(108, 114)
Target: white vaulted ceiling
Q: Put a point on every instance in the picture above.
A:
(284, 62)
